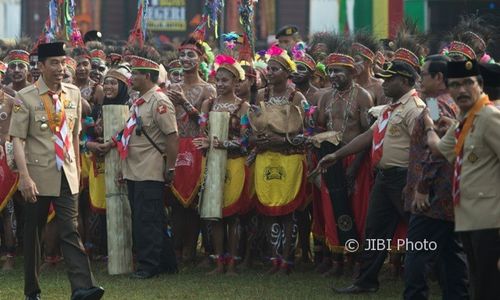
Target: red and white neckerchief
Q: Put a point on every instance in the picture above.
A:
(458, 168)
(379, 134)
(61, 132)
(122, 145)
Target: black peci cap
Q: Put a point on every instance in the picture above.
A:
(92, 35)
(490, 74)
(51, 50)
(461, 69)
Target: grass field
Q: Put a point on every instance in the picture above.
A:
(192, 283)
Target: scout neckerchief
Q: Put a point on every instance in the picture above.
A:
(460, 134)
(123, 141)
(379, 134)
(129, 128)
(53, 104)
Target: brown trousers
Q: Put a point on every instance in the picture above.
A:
(66, 208)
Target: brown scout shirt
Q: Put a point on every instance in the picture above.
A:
(28, 114)
(398, 133)
(6, 103)
(143, 161)
(479, 206)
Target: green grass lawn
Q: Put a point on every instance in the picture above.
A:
(192, 283)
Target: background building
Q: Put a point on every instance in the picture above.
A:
(171, 19)
(10, 21)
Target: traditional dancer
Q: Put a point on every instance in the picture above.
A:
(229, 74)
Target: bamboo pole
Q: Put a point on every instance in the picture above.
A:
(212, 198)
(119, 225)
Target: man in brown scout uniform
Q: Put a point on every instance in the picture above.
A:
(473, 147)
(148, 147)
(390, 139)
(46, 117)
(287, 37)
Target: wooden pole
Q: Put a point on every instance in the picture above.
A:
(119, 224)
(212, 198)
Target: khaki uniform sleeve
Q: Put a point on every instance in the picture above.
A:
(20, 119)
(411, 117)
(492, 132)
(164, 116)
(447, 144)
(78, 128)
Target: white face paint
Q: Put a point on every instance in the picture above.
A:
(189, 59)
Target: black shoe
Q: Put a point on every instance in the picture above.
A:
(354, 289)
(34, 297)
(93, 293)
(143, 275)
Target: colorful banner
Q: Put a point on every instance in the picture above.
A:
(382, 17)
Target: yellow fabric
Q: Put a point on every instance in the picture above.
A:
(251, 182)
(235, 180)
(97, 186)
(278, 178)
(86, 163)
(51, 216)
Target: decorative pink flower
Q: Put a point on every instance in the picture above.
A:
(275, 51)
(224, 59)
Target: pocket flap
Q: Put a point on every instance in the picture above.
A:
(36, 160)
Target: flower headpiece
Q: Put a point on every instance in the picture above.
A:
(280, 56)
(229, 63)
(338, 59)
(321, 70)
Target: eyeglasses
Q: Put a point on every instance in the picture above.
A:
(465, 83)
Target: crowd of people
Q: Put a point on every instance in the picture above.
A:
(357, 146)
